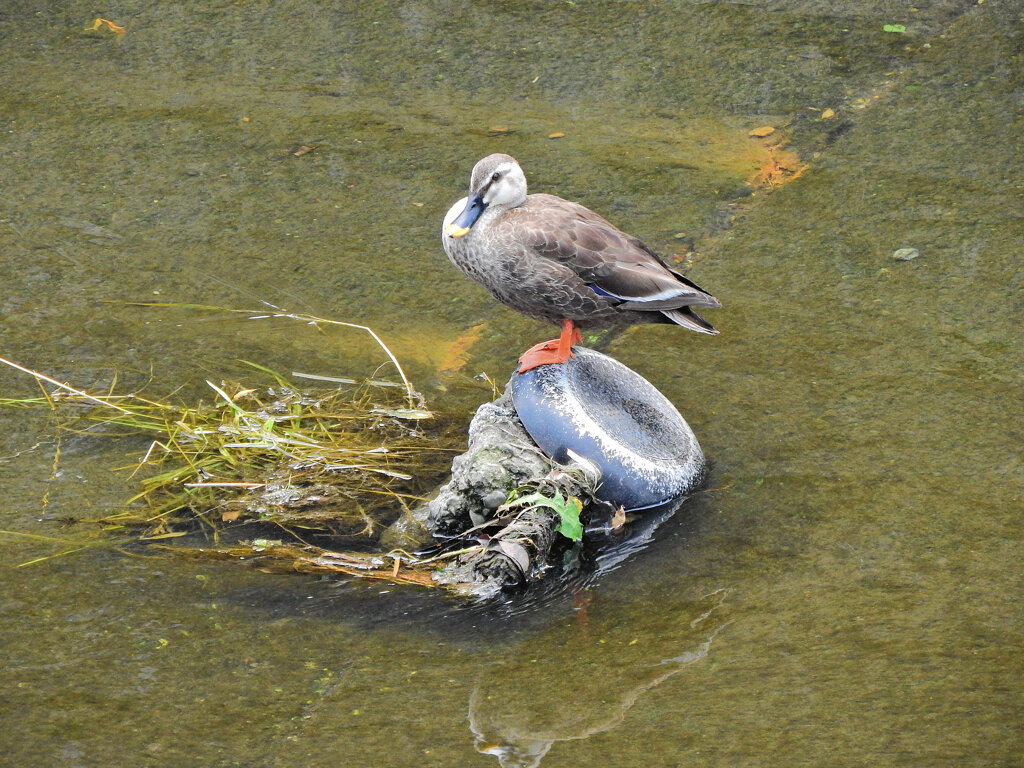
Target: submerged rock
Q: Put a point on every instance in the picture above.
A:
(905, 254)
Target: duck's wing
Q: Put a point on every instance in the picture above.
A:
(611, 262)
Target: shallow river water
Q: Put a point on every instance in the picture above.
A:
(847, 589)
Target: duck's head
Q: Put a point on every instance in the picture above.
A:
(497, 181)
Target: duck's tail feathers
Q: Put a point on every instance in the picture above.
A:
(707, 299)
(687, 318)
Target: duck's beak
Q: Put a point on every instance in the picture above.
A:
(465, 220)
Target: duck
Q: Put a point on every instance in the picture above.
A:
(559, 262)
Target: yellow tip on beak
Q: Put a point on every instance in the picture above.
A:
(454, 230)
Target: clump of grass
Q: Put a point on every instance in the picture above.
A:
(335, 465)
(336, 460)
(333, 460)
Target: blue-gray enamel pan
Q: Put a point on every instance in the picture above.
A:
(599, 409)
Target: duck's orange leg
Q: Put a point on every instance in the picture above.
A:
(553, 351)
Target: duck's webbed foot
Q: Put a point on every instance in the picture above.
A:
(552, 351)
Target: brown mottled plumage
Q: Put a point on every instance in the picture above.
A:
(557, 261)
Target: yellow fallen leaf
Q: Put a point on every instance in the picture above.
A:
(556, 135)
(98, 23)
(764, 130)
(827, 113)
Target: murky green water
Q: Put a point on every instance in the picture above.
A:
(846, 592)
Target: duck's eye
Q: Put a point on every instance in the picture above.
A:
(495, 176)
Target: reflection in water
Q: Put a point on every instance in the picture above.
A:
(516, 714)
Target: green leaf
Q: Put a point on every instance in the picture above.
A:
(897, 28)
(568, 510)
(571, 527)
